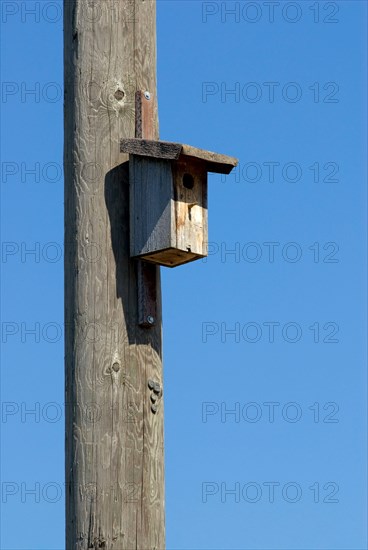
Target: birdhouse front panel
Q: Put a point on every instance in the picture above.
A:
(190, 205)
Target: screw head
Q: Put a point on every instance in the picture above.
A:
(147, 95)
(150, 320)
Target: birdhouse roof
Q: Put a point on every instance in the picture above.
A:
(165, 150)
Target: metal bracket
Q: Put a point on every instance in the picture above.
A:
(147, 274)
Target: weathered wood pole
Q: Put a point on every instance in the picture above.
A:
(114, 420)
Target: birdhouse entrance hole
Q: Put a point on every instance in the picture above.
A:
(188, 181)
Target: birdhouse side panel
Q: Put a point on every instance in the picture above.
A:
(151, 221)
(191, 214)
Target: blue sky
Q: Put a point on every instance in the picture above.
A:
(265, 341)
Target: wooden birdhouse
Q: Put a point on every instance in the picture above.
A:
(168, 199)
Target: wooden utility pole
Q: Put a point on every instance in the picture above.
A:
(114, 409)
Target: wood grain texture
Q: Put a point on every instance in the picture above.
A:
(151, 187)
(215, 162)
(158, 149)
(114, 442)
